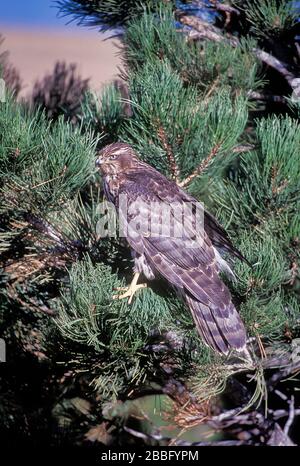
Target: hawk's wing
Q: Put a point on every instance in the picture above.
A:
(220, 238)
(170, 192)
(188, 261)
(216, 233)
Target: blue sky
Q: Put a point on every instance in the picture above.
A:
(38, 13)
(31, 13)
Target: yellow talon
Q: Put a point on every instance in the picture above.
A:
(131, 289)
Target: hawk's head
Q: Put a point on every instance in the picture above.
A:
(116, 158)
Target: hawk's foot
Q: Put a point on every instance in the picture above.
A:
(131, 289)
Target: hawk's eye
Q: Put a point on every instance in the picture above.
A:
(112, 157)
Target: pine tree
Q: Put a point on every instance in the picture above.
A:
(60, 93)
(209, 97)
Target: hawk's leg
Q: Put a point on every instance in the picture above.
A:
(131, 289)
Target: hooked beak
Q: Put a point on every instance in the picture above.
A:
(99, 162)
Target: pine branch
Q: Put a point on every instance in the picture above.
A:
(157, 436)
(174, 169)
(224, 7)
(64, 243)
(243, 148)
(105, 14)
(204, 30)
(202, 167)
(291, 417)
(278, 65)
(30, 303)
(200, 29)
(266, 97)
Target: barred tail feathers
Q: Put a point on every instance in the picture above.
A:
(221, 330)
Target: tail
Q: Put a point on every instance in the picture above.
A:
(221, 329)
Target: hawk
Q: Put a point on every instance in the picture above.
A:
(190, 262)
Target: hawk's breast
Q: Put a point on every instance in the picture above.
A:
(111, 188)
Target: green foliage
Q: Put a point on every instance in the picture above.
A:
(104, 114)
(260, 207)
(174, 120)
(207, 65)
(104, 13)
(270, 317)
(184, 108)
(269, 17)
(279, 140)
(267, 181)
(102, 321)
(41, 165)
(118, 332)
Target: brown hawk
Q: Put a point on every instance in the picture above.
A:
(191, 268)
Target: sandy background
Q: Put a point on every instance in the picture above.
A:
(35, 51)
